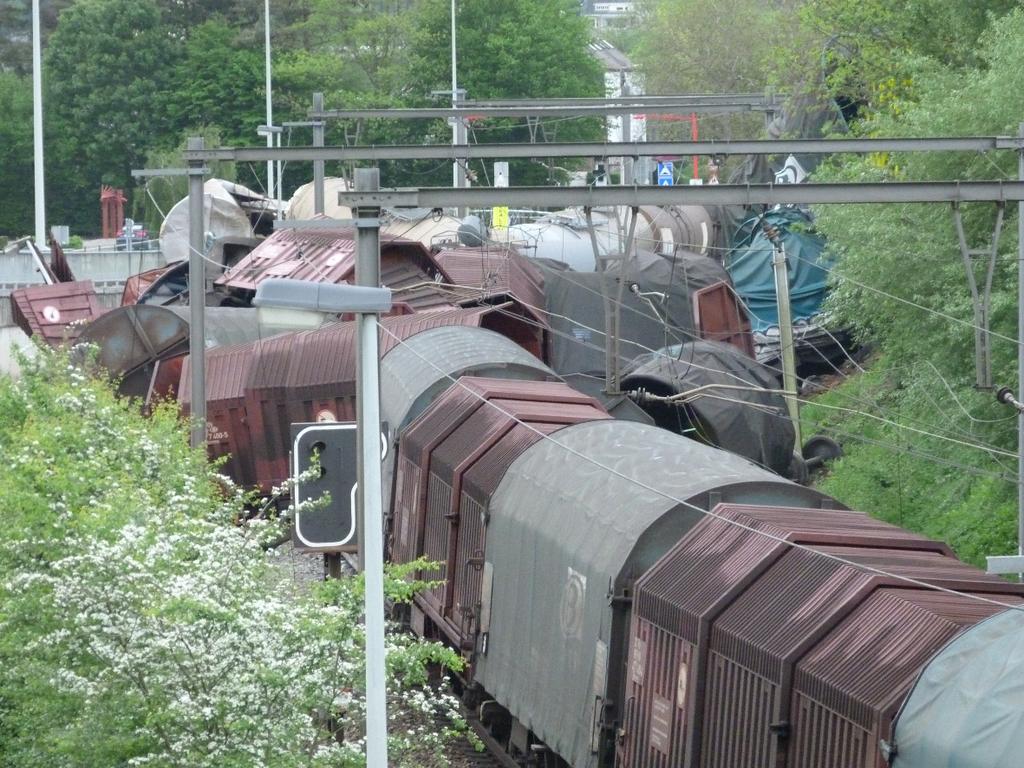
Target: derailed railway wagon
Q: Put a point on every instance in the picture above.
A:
(624, 596)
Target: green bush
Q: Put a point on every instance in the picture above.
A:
(140, 626)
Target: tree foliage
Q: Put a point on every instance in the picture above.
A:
(130, 79)
(924, 448)
(108, 67)
(16, 150)
(533, 48)
(901, 285)
(689, 46)
(139, 625)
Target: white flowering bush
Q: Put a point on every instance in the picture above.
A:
(140, 626)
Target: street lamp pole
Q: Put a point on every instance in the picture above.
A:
(366, 300)
(37, 126)
(371, 541)
(456, 176)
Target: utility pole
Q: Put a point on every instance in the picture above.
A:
(626, 166)
(270, 98)
(196, 294)
(459, 138)
(371, 538)
(789, 382)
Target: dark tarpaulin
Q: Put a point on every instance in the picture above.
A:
(577, 310)
(737, 415)
(967, 707)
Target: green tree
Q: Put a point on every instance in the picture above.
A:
(108, 70)
(532, 48)
(690, 46)
(16, 206)
(527, 49)
(218, 83)
(898, 281)
(860, 49)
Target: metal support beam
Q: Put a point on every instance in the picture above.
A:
(780, 267)
(608, 149)
(615, 382)
(982, 300)
(197, 295)
(144, 173)
(717, 194)
(540, 112)
(460, 168)
(768, 98)
(601, 265)
(318, 165)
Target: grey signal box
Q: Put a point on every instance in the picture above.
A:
(331, 528)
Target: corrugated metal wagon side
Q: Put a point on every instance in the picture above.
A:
(781, 656)
(310, 376)
(474, 427)
(228, 431)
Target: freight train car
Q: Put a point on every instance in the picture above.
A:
(624, 596)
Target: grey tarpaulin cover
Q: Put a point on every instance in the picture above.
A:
(751, 422)
(576, 304)
(967, 708)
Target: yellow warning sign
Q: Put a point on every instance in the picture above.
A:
(499, 217)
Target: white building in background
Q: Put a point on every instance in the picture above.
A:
(613, 13)
(622, 79)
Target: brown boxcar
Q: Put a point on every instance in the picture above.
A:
(255, 391)
(55, 313)
(452, 457)
(748, 651)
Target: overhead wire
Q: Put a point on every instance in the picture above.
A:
(566, 276)
(944, 426)
(871, 289)
(817, 423)
(682, 502)
(979, 446)
(573, 339)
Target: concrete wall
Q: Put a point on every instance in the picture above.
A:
(98, 266)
